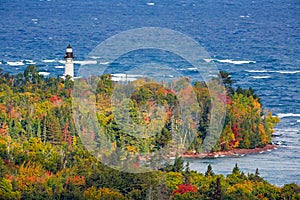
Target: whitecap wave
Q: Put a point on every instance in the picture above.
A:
(192, 69)
(94, 61)
(260, 77)
(279, 71)
(117, 79)
(287, 72)
(126, 75)
(150, 4)
(85, 62)
(235, 62)
(282, 115)
(122, 77)
(208, 60)
(49, 61)
(104, 63)
(188, 69)
(17, 63)
(257, 71)
(59, 67)
(44, 73)
(29, 62)
(136, 75)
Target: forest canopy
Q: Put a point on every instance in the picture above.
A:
(43, 157)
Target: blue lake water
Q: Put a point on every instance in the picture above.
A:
(258, 42)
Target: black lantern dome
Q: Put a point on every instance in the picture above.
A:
(69, 52)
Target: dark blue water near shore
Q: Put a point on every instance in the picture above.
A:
(258, 42)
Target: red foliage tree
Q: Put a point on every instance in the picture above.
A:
(229, 100)
(184, 188)
(235, 129)
(54, 98)
(3, 129)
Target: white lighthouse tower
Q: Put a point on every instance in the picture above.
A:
(69, 58)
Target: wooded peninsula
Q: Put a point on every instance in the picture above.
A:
(43, 157)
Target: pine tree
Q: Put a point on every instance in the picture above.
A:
(256, 172)
(236, 169)
(209, 171)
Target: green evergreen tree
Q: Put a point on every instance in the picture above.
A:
(236, 169)
(209, 171)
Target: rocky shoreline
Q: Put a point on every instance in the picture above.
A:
(230, 153)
